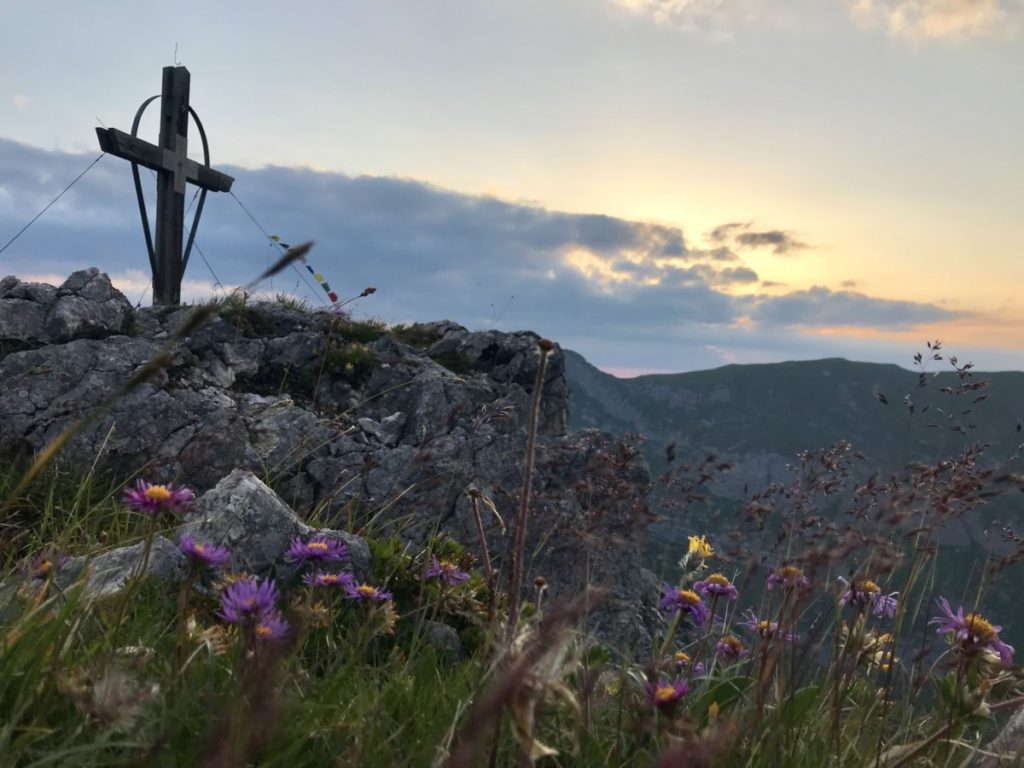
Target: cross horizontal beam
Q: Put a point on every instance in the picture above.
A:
(156, 158)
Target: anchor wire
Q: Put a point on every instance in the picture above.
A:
(49, 204)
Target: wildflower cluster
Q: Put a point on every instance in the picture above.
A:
(446, 572)
(252, 605)
(203, 555)
(865, 593)
(677, 599)
(665, 695)
(788, 577)
(152, 499)
(318, 549)
(972, 633)
(717, 585)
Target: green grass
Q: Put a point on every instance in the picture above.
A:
(416, 335)
(114, 683)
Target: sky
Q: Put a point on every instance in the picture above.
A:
(660, 185)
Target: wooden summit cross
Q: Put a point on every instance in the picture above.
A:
(173, 168)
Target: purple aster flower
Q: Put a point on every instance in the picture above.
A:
(319, 579)
(684, 600)
(788, 577)
(683, 661)
(203, 554)
(885, 605)
(863, 592)
(317, 549)
(972, 630)
(153, 499)
(247, 599)
(270, 626)
(365, 592)
(44, 565)
(768, 630)
(664, 694)
(446, 571)
(718, 585)
(730, 648)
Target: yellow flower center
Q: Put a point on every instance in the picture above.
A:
(329, 578)
(44, 568)
(317, 546)
(718, 580)
(867, 586)
(250, 602)
(689, 597)
(447, 566)
(733, 642)
(664, 694)
(979, 627)
(791, 574)
(199, 548)
(262, 630)
(700, 547)
(366, 590)
(682, 657)
(158, 493)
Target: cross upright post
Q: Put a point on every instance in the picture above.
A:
(174, 170)
(170, 187)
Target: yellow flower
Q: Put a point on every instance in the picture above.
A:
(700, 548)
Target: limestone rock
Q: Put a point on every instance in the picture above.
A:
(88, 306)
(443, 639)
(244, 515)
(109, 572)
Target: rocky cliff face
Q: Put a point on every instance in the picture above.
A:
(387, 429)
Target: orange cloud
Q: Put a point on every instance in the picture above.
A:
(918, 20)
(991, 332)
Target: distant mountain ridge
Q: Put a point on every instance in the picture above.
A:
(761, 416)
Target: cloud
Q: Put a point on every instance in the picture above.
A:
(717, 17)
(724, 232)
(626, 293)
(921, 20)
(780, 242)
(737, 232)
(818, 306)
(20, 100)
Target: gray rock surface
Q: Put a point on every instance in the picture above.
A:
(443, 639)
(244, 515)
(388, 433)
(85, 306)
(109, 572)
(1009, 744)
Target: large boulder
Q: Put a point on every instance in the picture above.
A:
(86, 306)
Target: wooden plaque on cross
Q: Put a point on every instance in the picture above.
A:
(169, 159)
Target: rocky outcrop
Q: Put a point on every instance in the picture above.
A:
(86, 306)
(384, 431)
